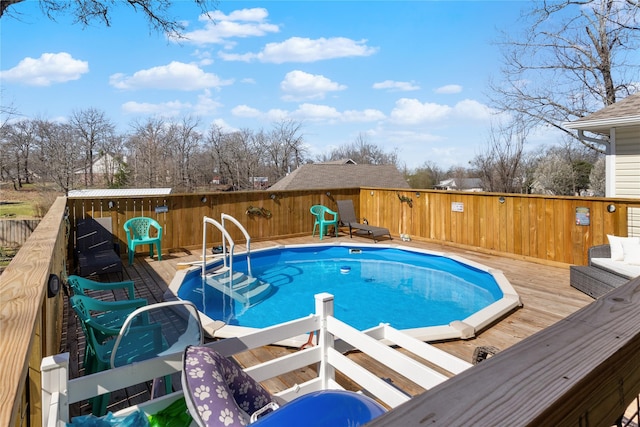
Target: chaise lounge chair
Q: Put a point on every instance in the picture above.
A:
(95, 252)
(348, 218)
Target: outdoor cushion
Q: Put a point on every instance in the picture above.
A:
(620, 268)
(217, 391)
(616, 243)
(631, 250)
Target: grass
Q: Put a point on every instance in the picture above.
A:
(17, 209)
(30, 201)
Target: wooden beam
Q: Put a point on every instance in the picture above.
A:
(582, 371)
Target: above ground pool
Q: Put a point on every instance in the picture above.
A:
(427, 294)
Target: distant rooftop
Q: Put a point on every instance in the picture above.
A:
(341, 175)
(109, 192)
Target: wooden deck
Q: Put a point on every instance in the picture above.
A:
(544, 291)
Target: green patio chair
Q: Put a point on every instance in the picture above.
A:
(83, 286)
(137, 230)
(100, 321)
(323, 223)
(150, 331)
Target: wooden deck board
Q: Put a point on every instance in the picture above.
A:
(544, 290)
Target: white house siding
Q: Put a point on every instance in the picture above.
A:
(628, 173)
(627, 161)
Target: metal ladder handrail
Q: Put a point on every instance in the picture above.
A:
(224, 217)
(225, 235)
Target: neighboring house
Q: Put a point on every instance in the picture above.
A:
(620, 124)
(460, 184)
(104, 168)
(341, 174)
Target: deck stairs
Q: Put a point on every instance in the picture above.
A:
(247, 290)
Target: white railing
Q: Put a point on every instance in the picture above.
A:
(225, 217)
(58, 392)
(225, 236)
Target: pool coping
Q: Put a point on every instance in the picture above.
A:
(459, 329)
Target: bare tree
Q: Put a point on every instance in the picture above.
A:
(597, 178)
(59, 153)
(425, 176)
(18, 141)
(149, 151)
(85, 12)
(565, 170)
(94, 130)
(362, 151)
(500, 165)
(184, 139)
(575, 57)
(285, 148)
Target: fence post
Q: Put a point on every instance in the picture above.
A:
(324, 308)
(55, 376)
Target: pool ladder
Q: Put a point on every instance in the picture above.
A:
(243, 288)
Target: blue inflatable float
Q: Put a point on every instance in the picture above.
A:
(334, 408)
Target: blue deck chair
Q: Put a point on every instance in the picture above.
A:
(137, 230)
(322, 222)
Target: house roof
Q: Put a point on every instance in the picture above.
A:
(621, 114)
(342, 175)
(460, 183)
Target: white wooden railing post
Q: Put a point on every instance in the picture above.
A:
(324, 308)
(55, 383)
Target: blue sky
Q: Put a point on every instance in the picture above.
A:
(408, 75)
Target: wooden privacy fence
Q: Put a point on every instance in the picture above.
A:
(14, 232)
(548, 229)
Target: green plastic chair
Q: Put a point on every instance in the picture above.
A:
(137, 230)
(83, 286)
(320, 213)
(100, 321)
(150, 331)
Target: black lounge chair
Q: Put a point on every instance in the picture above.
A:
(95, 251)
(348, 218)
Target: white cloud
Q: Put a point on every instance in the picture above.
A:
(50, 68)
(367, 115)
(301, 49)
(315, 112)
(176, 75)
(164, 109)
(299, 85)
(310, 112)
(206, 105)
(396, 86)
(412, 111)
(245, 111)
(448, 89)
(471, 109)
(238, 24)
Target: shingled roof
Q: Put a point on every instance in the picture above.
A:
(621, 114)
(331, 175)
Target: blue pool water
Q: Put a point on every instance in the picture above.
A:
(377, 285)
